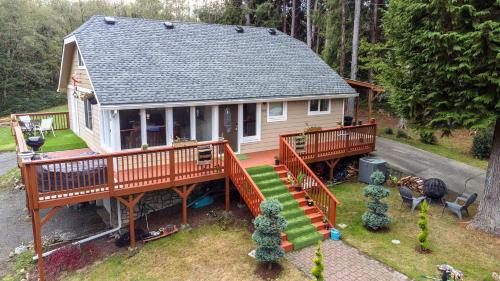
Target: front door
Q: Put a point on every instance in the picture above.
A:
(228, 124)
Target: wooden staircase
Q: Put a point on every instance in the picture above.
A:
(312, 212)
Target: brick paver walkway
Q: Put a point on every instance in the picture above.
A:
(344, 263)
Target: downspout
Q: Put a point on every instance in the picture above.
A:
(93, 237)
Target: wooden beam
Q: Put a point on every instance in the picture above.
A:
(49, 215)
(131, 223)
(331, 165)
(184, 194)
(37, 241)
(227, 194)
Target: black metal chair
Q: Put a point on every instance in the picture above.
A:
(457, 208)
(407, 197)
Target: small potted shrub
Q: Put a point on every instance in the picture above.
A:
(276, 160)
(339, 124)
(326, 223)
(392, 180)
(300, 180)
(145, 147)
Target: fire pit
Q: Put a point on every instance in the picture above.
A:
(35, 142)
(434, 188)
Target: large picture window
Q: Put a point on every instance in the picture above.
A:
(182, 123)
(276, 111)
(317, 107)
(155, 122)
(130, 129)
(87, 107)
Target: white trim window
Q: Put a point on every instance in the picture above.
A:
(81, 64)
(249, 122)
(318, 107)
(276, 111)
(87, 108)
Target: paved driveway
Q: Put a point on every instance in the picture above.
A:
(414, 161)
(7, 162)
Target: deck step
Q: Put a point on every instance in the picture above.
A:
(287, 246)
(316, 217)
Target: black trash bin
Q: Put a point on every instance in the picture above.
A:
(348, 120)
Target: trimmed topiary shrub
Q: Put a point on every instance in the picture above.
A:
(423, 235)
(268, 227)
(428, 137)
(401, 134)
(317, 270)
(388, 131)
(376, 217)
(481, 146)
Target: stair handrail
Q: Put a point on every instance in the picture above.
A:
(330, 211)
(248, 190)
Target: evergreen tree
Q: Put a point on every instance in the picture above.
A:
(443, 72)
(317, 270)
(423, 236)
(376, 218)
(268, 227)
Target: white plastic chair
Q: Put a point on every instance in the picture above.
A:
(46, 126)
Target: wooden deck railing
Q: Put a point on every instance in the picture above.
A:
(323, 199)
(337, 142)
(247, 188)
(85, 178)
(60, 120)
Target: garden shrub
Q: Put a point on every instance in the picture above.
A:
(68, 258)
(268, 227)
(375, 218)
(401, 134)
(423, 235)
(428, 137)
(317, 270)
(388, 131)
(482, 143)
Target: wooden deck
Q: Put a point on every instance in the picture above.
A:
(128, 175)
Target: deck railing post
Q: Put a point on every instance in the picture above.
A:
(111, 174)
(171, 165)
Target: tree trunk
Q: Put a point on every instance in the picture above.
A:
(293, 29)
(309, 24)
(374, 30)
(488, 215)
(342, 37)
(284, 15)
(354, 58)
(248, 20)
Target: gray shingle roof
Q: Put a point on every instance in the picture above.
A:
(140, 61)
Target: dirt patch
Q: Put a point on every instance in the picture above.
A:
(268, 271)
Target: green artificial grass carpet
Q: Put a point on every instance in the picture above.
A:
(299, 231)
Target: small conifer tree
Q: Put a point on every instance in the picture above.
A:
(268, 227)
(317, 270)
(376, 217)
(423, 236)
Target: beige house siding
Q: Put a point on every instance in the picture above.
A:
(297, 118)
(91, 137)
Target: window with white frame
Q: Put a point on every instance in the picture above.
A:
(88, 113)
(317, 107)
(80, 60)
(250, 122)
(276, 111)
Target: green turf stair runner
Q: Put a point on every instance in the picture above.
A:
(299, 231)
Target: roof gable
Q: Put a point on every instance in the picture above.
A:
(141, 61)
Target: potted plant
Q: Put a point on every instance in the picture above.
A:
(145, 147)
(392, 180)
(326, 223)
(276, 160)
(309, 201)
(300, 180)
(339, 124)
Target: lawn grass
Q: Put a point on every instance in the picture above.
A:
(7, 142)
(64, 140)
(474, 253)
(204, 253)
(442, 148)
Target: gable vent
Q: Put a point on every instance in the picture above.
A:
(109, 20)
(239, 29)
(168, 25)
(272, 31)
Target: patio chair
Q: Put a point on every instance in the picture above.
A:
(25, 123)
(457, 208)
(407, 197)
(46, 126)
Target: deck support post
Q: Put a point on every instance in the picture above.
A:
(130, 203)
(184, 194)
(227, 194)
(331, 165)
(37, 243)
